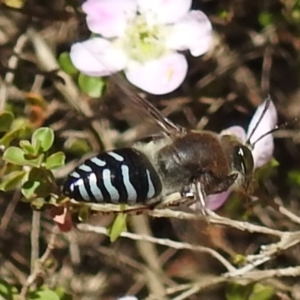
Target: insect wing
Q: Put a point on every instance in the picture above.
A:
(141, 105)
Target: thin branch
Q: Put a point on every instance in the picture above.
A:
(163, 242)
(152, 269)
(35, 236)
(12, 64)
(265, 274)
(38, 266)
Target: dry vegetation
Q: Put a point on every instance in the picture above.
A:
(168, 254)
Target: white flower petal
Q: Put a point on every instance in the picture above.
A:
(166, 11)
(109, 17)
(97, 57)
(238, 131)
(192, 32)
(128, 298)
(160, 76)
(263, 149)
(213, 202)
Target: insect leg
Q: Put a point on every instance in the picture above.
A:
(195, 193)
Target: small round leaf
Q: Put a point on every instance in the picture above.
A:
(56, 160)
(10, 136)
(262, 292)
(15, 156)
(44, 295)
(93, 86)
(119, 225)
(6, 119)
(12, 181)
(27, 147)
(66, 64)
(42, 138)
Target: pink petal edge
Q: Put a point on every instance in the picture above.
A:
(97, 57)
(109, 17)
(159, 76)
(263, 149)
(166, 11)
(193, 32)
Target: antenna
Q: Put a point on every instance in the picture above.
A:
(276, 128)
(268, 132)
(268, 101)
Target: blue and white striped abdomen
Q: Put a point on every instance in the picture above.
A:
(119, 176)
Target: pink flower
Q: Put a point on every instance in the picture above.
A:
(262, 151)
(142, 38)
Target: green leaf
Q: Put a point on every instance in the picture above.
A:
(238, 292)
(10, 136)
(29, 189)
(35, 162)
(6, 119)
(265, 18)
(66, 64)
(84, 213)
(15, 156)
(62, 294)
(27, 147)
(224, 14)
(42, 138)
(17, 4)
(93, 86)
(56, 160)
(44, 295)
(294, 177)
(6, 290)
(12, 181)
(261, 292)
(37, 203)
(119, 225)
(77, 145)
(40, 184)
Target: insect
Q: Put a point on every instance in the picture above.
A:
(194, 163)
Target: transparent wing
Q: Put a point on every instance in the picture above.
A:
(130, 97)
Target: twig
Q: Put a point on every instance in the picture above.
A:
(163, 242)
(289, 214)
(152, 270)
(7, 216)
(12, 64)
(213, 218)
(74, 250)
(266, 70)
(265, 274)
(35, 235)
(38, 266)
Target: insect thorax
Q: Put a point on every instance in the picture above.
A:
(192, 157)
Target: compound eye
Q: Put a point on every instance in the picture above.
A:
(243, 160)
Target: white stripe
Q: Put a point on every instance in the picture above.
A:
(151, 190)
(71, 187)
(113, 192)
(85, 168)
(94, 188)
(131, 192)
(75, 175)
(82, 190)
(97, 161)
(116, 156)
